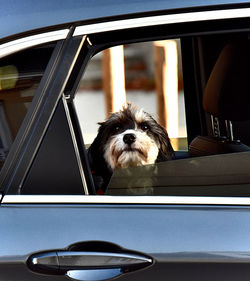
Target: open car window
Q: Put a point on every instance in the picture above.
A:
(211, 151)
(139, 84)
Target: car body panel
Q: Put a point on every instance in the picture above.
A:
(189, 238)
(42, 37)
(171, 235)
(26, 16)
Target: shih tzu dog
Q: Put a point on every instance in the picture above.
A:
(130, 137)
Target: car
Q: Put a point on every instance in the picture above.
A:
(183, 219)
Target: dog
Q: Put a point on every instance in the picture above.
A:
(130, 137)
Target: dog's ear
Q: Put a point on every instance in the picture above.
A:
(99, 169)
(95, 150)
(166, 151)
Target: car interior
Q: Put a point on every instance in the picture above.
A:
(225, 99)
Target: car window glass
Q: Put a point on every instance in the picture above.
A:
(217, 175)
(20, 75)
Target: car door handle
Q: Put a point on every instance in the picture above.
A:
(87, 265)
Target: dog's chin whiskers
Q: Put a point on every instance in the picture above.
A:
(143, 153)
(131, 157)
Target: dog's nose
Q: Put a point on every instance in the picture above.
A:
(129, 138)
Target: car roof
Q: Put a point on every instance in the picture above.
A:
(26, 15)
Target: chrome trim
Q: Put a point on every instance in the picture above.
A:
(1, 196)
(163, 19)
(229, 129)
(77, 153)
(103, 199)
(30, 41)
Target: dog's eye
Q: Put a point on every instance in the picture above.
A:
(117, 128)
(144, 127)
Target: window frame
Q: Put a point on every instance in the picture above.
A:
(18, 45)
(97, 39)
(173, 18)
(126, 200)
(11, 176)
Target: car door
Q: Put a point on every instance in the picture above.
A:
(53, 227)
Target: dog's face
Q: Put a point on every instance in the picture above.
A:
(131, 137)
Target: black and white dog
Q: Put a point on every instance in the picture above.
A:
(130, 137)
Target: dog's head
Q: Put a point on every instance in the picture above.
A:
(131, 137)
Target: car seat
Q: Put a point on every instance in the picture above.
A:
(226, 98)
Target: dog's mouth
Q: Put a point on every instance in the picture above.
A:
(132, 149)
(134, 157)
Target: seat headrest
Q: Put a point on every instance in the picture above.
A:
(227, 93)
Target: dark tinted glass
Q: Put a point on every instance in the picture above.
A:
(20, 75)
